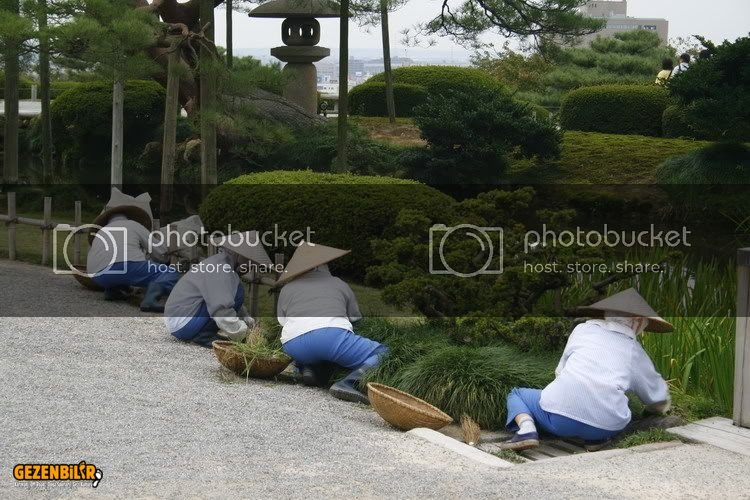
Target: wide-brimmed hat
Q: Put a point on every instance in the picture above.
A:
(134, 208)
(189, 225)
(627, 303)
(308, 256)
(247, 245)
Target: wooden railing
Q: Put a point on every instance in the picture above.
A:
(742, 350)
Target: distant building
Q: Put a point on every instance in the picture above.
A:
(616, 14)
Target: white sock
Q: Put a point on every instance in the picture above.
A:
(526, 426)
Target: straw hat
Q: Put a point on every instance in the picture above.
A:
(134, 208)
(308, 256)
(247, 245)
(628, 303)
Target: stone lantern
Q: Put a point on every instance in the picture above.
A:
(300, 33)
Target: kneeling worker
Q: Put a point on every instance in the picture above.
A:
(602, 360)
(120, 255)
(208, 302)
(316, 311)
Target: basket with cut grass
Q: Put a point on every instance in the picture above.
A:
(257, 356)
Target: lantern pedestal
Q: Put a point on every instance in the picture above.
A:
(300, 75)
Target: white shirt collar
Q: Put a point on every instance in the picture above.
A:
(613, 326)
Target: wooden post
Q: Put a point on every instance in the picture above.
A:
(342, 142)
(742, 347)
(46, 232)
(207, 70)
(169, 145)
(390, 103)
(12, 226)
(253, 294)
(12, 72)
(229, 40)
(278, 260)
(118, 103)
(77, 236)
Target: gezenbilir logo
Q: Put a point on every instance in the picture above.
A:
(58, 472)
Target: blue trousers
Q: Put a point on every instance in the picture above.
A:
(335, 345)
(202, 328)
(527, 401)
(137, 273)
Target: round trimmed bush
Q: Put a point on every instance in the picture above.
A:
(615, 109)
(368, 99)
(674, 123)
(341, 210)
(434, 80)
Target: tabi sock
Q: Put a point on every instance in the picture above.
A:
(526, 426)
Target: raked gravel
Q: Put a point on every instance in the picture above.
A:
(161, 419)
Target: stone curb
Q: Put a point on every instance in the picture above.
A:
(462, 449)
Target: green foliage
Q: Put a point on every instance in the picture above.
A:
(655, 435)
(403, 267)
(248, 72)
(529, 334)
(605, 159)
(615, 109)
(342, 210)
(720, 163)
(715, 92)
(434, 80)
(674, 122)
(470, 136)
(696, 406)
(368, 99)
(457, 379)
(631, 57)
(82, 123)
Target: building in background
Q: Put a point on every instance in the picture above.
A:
(616, 14)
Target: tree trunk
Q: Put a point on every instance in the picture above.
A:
(118, 103)
(169, 146)
(343, 139)
(388, 73)
(207, 99)
(229, 42)
(12, 72)
(44, 92)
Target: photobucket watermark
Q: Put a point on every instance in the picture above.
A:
(649, 238)
(173, 238)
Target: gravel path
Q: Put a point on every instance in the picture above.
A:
(162, 420)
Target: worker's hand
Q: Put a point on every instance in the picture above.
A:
(239, 336)
(250, 322)
(659, 408)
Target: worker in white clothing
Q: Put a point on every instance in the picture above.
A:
(601, 362)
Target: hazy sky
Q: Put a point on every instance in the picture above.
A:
(716, 19)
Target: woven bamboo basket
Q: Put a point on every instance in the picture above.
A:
(246, 365)
(403, 410)
(85, 280)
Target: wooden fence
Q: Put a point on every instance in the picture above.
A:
(742, 349)
(47, 225)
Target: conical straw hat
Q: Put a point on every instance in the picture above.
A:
(628, 303)
(134, 208)
(246, 244)
(308, 256)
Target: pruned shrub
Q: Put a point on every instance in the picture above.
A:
(435, 80)
(530, 334)
(674, 123)
(615, 109)
(720, 163)
(342, 210)
(368, 99)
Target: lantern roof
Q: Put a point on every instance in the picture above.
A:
(296, 8)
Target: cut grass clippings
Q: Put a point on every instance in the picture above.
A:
(656, 435)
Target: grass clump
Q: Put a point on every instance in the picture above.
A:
(460, 380)
(510, 456)
(655, 435)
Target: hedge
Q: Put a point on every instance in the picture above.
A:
(674, 123)
(368, 99)
(615, 109)
(342, 210)
(434, 79)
